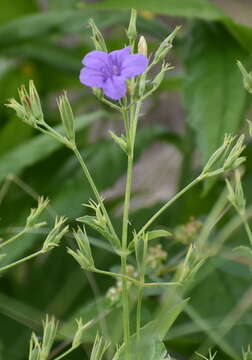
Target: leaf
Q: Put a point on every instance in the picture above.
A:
(154, 332)
(245, 252)
(38, 148)
(185, 8)
(213, 91)
(149, 350)
(158, 234)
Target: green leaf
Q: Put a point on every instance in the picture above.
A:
(158, 234)
(185, 8)
(213, 91)
(38, 148)
(245, 252)
(154, 332)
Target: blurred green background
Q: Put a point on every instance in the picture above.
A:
(200, 100)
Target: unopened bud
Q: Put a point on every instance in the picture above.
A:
(142, 46)
(67, 116)
(97, 37)
(165, 46)
(132, 31)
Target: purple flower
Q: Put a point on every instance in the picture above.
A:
(108, 71)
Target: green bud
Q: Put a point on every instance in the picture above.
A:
(165, 46)
(119, 141)
(160, 76)
(35, 213)
(132, 31)
(218, 154)
(234, 160)
(35, 104)
(236, 194)
(247, 77)
(67, 116)
(55, 235)
(97, 37)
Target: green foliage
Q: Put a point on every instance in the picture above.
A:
(213, 110)
(48, 46)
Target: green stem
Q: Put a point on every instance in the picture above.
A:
(125, 297)
(247, 228)
(138, 316)
(169, 203)
(21, 260)
(95, 191)
(65, 353)
(117, 275)
(13, 238)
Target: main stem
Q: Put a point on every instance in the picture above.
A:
(125, 297)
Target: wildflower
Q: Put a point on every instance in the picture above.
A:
(108, 71)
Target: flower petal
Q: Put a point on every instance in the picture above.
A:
(95, 59)
(114, 87)
(117, 56)
(133, 65)
(91, 77)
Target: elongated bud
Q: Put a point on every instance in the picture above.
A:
(67, 116)
(119, 140)
(165, 46)
(234, 160)
(142, 46)
(132, 31)
(247, 77)
(219, 153)
(97, 37)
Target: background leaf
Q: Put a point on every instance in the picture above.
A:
(213, 91)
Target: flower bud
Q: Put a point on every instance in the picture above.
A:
(97, 37)
(165, 46)
(67, 116)
(142, 46)
(132, 31)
